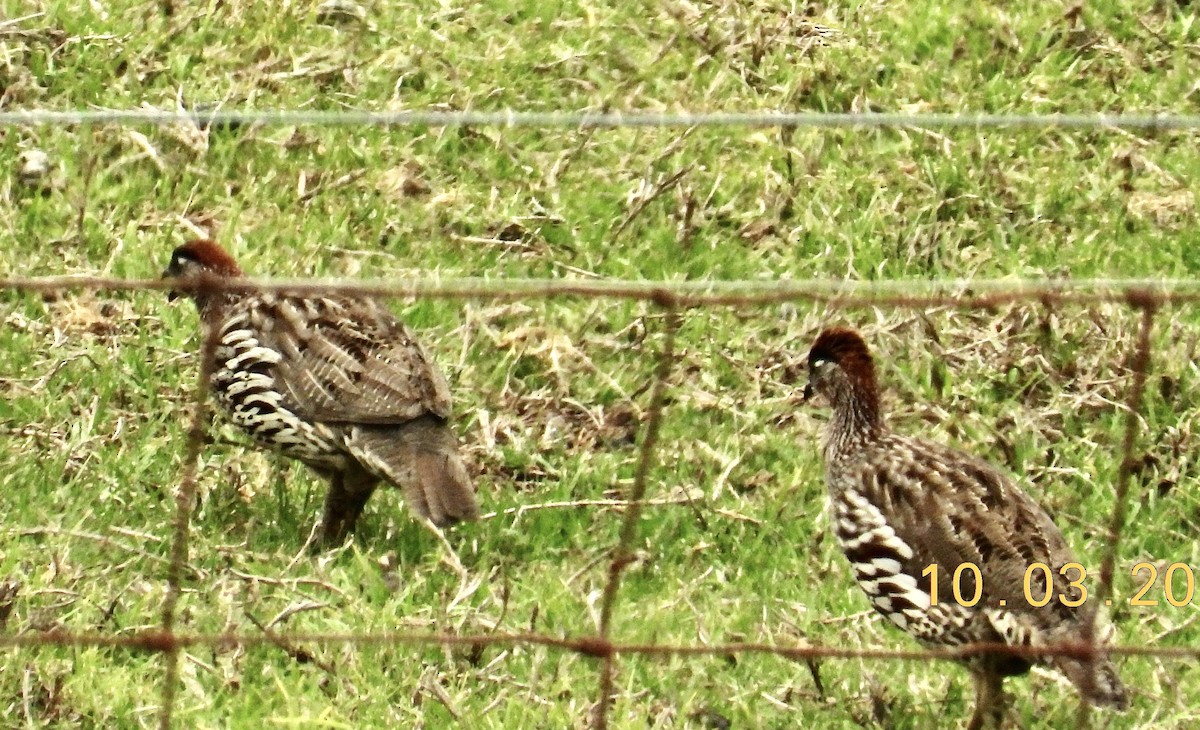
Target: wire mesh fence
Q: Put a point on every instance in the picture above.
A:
(673, 300)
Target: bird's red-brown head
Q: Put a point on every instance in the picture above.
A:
(841, 369)
(197, 260)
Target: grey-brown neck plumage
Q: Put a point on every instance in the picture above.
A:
(856, 420)
(215, 308)
(213, 305)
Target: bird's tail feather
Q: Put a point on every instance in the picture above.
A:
(422, 458)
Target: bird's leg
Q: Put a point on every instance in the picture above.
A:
(989, 700)
(344, 502)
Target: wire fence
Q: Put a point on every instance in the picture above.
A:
(671, 299)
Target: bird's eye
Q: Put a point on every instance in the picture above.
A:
(817, 364)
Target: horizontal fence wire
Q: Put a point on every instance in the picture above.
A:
(961, 293)
(593, 120)
(1142, 295)
(592, 646)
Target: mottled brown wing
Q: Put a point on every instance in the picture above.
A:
(955, 509)
(351, 361)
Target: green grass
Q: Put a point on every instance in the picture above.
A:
(551, 396)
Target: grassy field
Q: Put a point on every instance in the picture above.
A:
(552, 395)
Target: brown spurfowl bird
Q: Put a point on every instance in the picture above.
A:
(900, 505)
(336, 382)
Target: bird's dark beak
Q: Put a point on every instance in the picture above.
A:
(172, 295)
(808, 391)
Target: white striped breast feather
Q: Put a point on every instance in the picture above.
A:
(859, 522)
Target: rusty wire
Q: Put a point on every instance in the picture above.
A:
(623, 554)
(670, 297)
(185, 502)
(900, 294)
(1139, 363)
(155, 640)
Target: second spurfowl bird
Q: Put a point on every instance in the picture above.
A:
(336, 382)
(901, 505)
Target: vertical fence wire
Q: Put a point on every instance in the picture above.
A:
(623, 553)
(1139, 366)
(185, 502)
